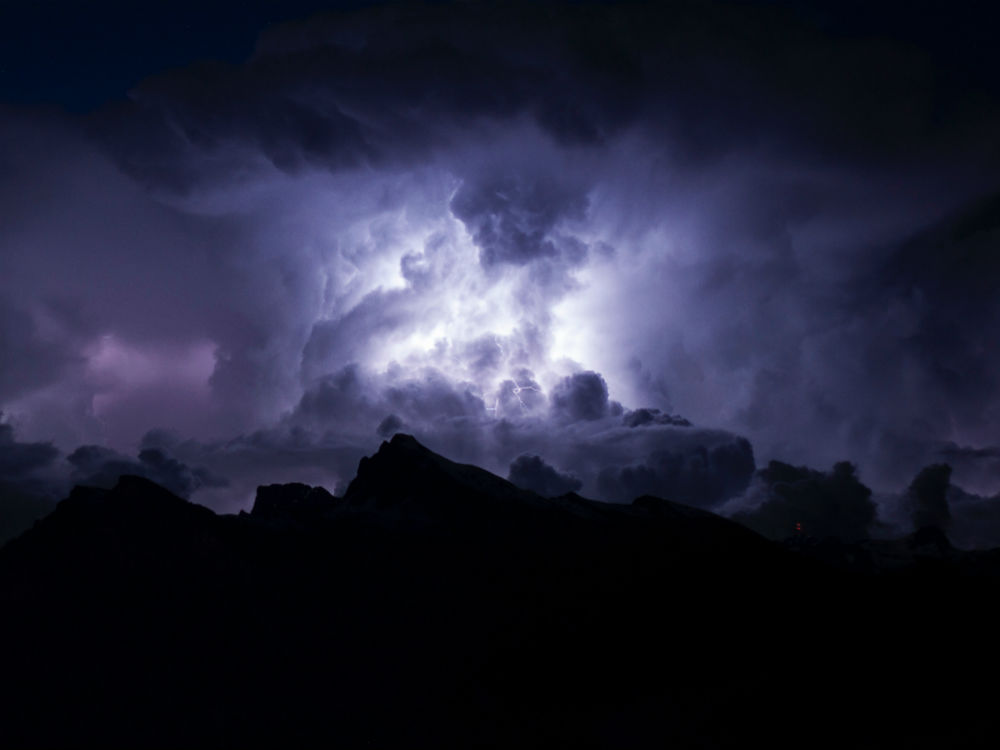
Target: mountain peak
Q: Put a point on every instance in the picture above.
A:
(133, 499)
(403, 440)
(293, 499)
(404, 447)
(406, 475)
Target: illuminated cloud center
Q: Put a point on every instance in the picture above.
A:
(417, 278)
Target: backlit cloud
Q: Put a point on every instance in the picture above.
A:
(649, 247)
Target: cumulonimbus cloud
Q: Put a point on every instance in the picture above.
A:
(618, 244)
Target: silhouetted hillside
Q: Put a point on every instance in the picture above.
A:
(436, 604)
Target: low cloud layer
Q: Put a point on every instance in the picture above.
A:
(927, 497)
(787, 501)
(532, 473)
(95, 466)
(28, 489)
(652, 248)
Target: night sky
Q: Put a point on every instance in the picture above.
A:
(600, 247)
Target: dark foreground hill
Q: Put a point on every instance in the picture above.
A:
(436, 604)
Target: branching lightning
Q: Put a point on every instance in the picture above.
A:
(517, 392)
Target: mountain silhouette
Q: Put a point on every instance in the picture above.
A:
(437, 604)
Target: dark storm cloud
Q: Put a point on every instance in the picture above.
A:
(917, 332)
(335, 398)
(32, 362)
(511, 221)
(496, 225)
(377, 85)
(94, 465)
(27, 488)
(979, 467)
(789, 500)
(943, 278)
(433, 396)
(960, 453)
(640, 417)
(19, 460)
(532, 473)
(617, 463)
(369, 87)
(974, 520)
(703, 475)
(390, 426)
(927, 497)
(348, 398)
(582, 396)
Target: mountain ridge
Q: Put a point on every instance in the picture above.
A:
(438, 604)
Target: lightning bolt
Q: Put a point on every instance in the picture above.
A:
(518, 388)
(517, 392)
